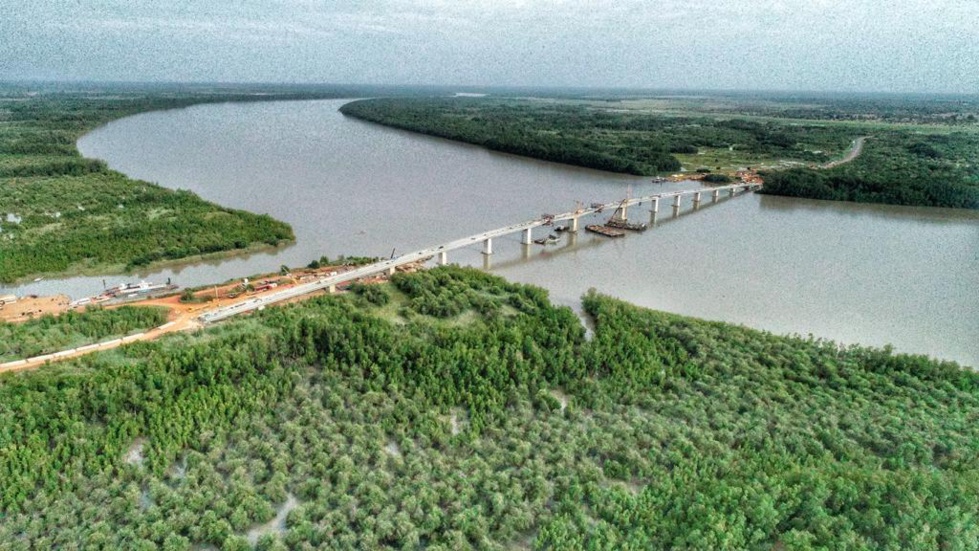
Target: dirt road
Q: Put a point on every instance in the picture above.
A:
(185, 322)
(855, 150)
(182, 317)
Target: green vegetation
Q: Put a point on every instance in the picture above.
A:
(373, 294)
(936, 111)
(493, 426)
(632, 142)
(342, 260)
(922, 151)
(898, 168)
(60, 213)
(49, 334)
(717, 179)
(605, 137)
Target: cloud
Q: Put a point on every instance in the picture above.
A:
(189, 28)
(813, 44)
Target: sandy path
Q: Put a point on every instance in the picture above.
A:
(182, 317)
(855, 150)
(183, 323)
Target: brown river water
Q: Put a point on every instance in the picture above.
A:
(865, 274)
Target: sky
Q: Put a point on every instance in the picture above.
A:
(813, 45)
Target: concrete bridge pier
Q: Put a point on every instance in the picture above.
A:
(715, 195)
(655, 207)
(652, 218)
(443, 258)
(573, 224)
(392, 270)
(676, 202)
(332, 289)
(487, 261)
(488, 247)
(732, 191)
(526, 240)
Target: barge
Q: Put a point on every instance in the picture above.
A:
(140, 288)
(126, 292)
(626, 225)
(605, 230)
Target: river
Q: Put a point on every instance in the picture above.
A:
(865, 274)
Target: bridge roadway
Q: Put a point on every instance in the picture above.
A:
(388, 266)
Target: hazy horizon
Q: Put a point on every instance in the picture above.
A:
(815, 46)
(489, 89)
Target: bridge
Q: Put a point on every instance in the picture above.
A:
(330, 283)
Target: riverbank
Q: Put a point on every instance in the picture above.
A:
(749, 258)
(407, 408)
(893, 167)
(921, 166)
(87, 269)
(63, 214)
(184, 309)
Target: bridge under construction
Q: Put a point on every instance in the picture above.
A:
(441, 252)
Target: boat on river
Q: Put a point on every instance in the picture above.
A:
(605, 230)
(618, 223)
(549, 240)
(126, 292)
(140, 288)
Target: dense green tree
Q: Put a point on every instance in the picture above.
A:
(489, 429)
(60, 213)
(49, 333)
(919, 165)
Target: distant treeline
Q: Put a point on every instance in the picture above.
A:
(454, 410)
(931, 109)
(919, 166)
(629, 141)
(509, 131)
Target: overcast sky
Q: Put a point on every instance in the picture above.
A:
(861, 45)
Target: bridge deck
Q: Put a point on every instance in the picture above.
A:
(412, 257)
